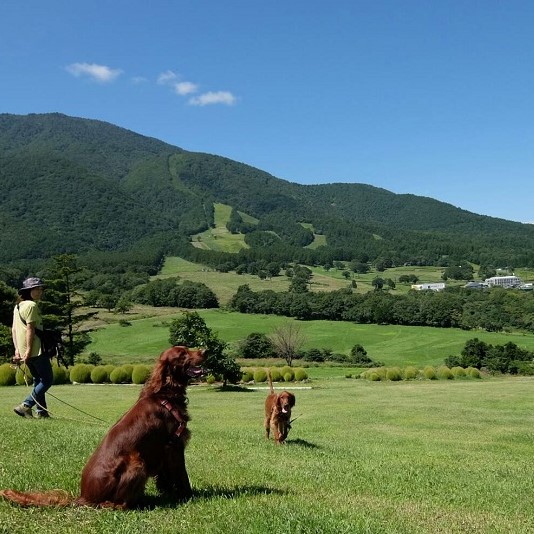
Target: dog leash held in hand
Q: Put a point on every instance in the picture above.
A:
(23, 371)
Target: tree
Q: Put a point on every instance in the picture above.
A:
(256, 345)
(287, 341)
(60, 302)
(378, 283)
(191, 331)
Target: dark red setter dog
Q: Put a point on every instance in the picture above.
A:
(148, 441)
(278, 413)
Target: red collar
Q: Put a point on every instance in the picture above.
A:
(176, 414)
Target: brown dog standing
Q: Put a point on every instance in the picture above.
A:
(278, 413)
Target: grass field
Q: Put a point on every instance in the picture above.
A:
(411, 457)
(394, 345)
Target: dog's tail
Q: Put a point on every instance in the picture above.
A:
(35, 498)
(270, 380)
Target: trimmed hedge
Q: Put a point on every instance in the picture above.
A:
(260, 375)
(140, 374)
(120, 375)
(81, 373)
(7, 375)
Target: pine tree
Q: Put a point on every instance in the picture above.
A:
(61, 302)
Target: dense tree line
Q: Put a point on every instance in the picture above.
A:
(492, 310)
(169, 292)
(508, 358)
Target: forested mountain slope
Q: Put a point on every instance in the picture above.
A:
(77, 185)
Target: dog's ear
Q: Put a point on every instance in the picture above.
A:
(291, 399)
(165, 370)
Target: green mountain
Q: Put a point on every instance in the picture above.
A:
(77, 185)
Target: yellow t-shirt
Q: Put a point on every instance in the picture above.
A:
(29, 311)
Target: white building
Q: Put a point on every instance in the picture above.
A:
(438, 286)
(503, 281)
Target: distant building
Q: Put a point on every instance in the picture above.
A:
(503, 281)
(476, 285)
(438, 286)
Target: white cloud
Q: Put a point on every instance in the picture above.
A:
(137, 80)
(210, 98)
(185, 88)
(99, 73)
(167, 77)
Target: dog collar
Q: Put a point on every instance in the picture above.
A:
(176, 414)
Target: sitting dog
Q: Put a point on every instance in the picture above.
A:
(278, 413)
(148, 441)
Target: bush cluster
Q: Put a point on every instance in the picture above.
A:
(411, 373)
(81, 373)
(283, 374)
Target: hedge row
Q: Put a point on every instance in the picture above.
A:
(278, 374)
(81, 373)
(412, 373)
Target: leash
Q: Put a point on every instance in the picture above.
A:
(25, 375)
(290, 422)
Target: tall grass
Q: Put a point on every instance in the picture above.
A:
(417, 457)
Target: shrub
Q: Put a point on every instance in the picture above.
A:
(276, 376)
(300, 374)
(473, 372)
(94, 358)
(128, 368)
(109, 368)
(524, 368)
(394, 374)
(7, 375)
(429, 373)
(287, 370)
(373, 376)
(81, 373)
(444, 373)
(120, 375)
(61, 374)
(23, 375)
(210, 379)
(140, 374)
(288, 377)
(99, 375)
(247, 376)
(260, 375)
(410, 373)
(458, 371)
(124, 322)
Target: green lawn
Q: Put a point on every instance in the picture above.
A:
(394, 345)
(411, 457)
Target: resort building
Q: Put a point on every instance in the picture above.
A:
(503, 281)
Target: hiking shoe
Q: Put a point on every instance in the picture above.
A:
(42, 415)
(23, 410)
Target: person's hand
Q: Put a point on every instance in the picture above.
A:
(26, 357)
(17, 360)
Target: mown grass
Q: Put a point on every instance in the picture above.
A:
(417, 457)
(218, 237)
(393, 345)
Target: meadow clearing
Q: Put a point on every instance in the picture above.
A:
(376, 457)
(148, 335)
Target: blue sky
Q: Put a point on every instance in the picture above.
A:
(434, 98)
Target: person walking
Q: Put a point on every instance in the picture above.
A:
(26, 319)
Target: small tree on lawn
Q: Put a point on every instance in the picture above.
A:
(191, 330)
(287, 341)
(61, 303)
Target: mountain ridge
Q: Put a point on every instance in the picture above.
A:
(75, 185)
